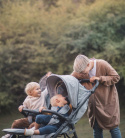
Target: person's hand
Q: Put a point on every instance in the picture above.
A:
(92, 79)
(20, 108)
(41, 108)
(48, 73)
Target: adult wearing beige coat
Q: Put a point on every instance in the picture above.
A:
(103, 107)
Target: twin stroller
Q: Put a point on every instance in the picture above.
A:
(77, 96)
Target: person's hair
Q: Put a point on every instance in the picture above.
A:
(80, 63)
(53, 99)
(30, 86)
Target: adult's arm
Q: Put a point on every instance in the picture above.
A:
(111, 76)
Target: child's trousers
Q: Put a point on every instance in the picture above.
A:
(44, 120)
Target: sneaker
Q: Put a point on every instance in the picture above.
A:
(28, 132)
(6, 136)
(33, 128)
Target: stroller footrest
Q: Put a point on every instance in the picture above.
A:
(14, 131)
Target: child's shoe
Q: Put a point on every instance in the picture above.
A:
(28, 132)
(33, 128)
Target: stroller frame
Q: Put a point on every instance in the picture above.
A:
(67, 120)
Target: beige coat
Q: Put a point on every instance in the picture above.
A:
(104, 103)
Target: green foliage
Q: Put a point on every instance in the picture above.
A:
(97, 30)
(5, 102)
(41, 36)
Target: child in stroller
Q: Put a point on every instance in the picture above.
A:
(35, 100)
(78, 97)
(50, 122)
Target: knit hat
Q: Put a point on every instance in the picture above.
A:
(80, 63)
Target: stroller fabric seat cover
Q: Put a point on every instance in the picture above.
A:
(54, 120)
(65, 109)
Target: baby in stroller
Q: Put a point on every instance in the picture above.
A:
(51, 122)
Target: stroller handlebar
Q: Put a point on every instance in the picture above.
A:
(84, 80)
(45, 111)
(95, 86)
(88, 80)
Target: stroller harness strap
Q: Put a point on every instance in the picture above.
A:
(64, 110)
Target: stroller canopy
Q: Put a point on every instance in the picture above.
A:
(76, 93)
(66, 85)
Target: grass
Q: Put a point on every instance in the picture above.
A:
(7, 119)
(83, 128)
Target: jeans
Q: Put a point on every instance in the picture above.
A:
(98, 132)
(44, 120)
